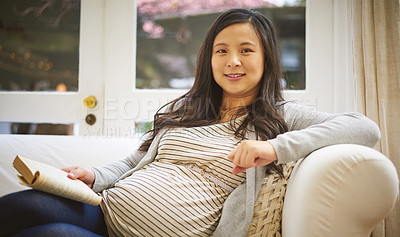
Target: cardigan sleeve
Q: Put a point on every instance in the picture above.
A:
(310, 130)
(107, 176)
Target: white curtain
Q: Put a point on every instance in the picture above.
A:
(376, 66)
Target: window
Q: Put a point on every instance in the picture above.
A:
(39, 51)
(39, 45)
(108, 67)
(169, 35)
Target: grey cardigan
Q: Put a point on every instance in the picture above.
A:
(308, 131)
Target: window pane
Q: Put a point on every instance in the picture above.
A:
(37, 128)
(39, 45)
(169, 35)
(142, 127)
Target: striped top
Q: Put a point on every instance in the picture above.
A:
(182, 192)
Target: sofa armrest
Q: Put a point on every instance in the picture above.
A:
(340, 190)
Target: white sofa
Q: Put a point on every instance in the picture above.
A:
(341, 190)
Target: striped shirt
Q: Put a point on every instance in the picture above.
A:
(175, 195)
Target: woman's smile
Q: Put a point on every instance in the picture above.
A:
(235, 76)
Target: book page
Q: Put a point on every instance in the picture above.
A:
(56, 181)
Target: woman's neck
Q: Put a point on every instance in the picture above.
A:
(231, 104)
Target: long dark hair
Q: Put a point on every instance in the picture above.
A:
(201, 104)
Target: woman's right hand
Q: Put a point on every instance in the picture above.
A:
(81, 173)
(250, 153)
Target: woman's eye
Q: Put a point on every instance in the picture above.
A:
(221, 51)
(247, 51)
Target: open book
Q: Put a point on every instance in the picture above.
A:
(53, 180)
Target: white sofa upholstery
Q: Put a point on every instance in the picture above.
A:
(341, 190)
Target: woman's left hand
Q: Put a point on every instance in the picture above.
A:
(81, 173)
(251, 153)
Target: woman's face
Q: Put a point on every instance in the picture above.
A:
(238, 60)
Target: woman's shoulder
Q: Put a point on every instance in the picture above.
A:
(290, 108)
